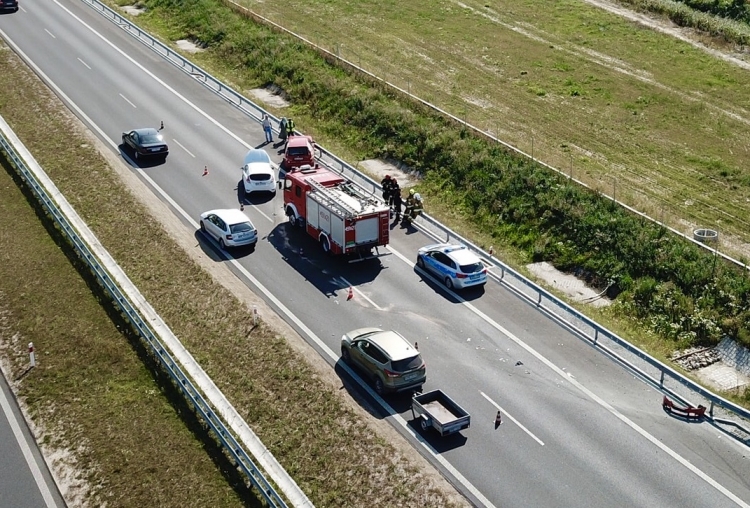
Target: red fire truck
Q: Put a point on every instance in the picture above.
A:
(339, 214)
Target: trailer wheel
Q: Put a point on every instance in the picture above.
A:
(326, 244)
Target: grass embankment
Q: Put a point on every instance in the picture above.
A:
(670, 288)
(98, 395)
(728, 19)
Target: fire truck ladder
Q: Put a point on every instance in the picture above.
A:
(329, 197)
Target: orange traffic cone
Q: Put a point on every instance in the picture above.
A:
(205, 170)
(351, 294)
(498, 420)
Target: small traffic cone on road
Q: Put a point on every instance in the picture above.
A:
(205, 170)
(350, 295)
(498, 419)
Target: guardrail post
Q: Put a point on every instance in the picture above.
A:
(661, 380)
(596, 335)
(711, 409)
(539, 300)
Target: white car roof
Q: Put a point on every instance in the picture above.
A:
(230, 215)
(256, 155)
(457, 252)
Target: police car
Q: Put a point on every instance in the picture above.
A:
(455, 265)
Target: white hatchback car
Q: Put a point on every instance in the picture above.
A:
(231, 228)
(455, 265)
(258, 173)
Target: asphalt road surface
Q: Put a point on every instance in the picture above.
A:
(578, 430)
(25, 481)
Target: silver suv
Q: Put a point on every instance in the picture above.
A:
(386, 358)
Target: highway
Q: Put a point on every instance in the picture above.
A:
(25, 480)
(578, 430)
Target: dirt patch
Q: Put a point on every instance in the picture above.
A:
(378, 169)
(571, 285)
(188, 46)
(270, 97)
(133, 10)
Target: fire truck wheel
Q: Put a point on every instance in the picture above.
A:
(325, 244)
(293, 220)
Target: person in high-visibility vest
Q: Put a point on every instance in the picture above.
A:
(289, 128)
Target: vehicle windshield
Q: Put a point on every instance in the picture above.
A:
(407, 364)
(241, 227)
(472, 268)
(298, 150)
(257, 156)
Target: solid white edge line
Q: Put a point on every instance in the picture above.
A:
(594, 397)
(511, 418)
(26, 449)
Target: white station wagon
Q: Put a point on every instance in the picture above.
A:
(230, 227)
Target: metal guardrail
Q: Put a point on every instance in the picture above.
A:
(639, 362)
(133, 316)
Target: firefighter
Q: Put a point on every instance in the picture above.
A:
(395, 190)
(397, 201)
(414, 207)
(386, 184)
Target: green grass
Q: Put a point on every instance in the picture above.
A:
(101, 392)
(626, 109)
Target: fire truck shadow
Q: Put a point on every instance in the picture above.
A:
(331, 275)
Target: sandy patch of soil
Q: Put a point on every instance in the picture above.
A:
(569, 284)
(377, 169)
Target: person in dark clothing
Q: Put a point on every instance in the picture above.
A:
(395, 190)
(396, 204)
(386, 184)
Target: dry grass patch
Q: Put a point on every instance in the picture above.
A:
(336, 455)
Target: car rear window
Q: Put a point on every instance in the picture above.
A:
(260, 177)
(472, 268)
(407, 364)
(240, 228)
(151, 138)
(298, 150)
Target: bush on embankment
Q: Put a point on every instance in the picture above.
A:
(679, 290)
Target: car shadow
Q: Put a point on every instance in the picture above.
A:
(469, 294)
(256, 198)
(331, 275)
(400, 403)
(211, 248)
(140, 163)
